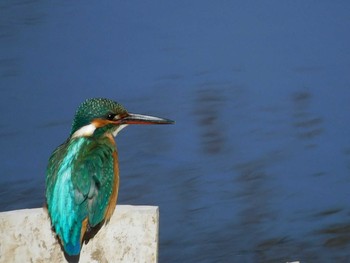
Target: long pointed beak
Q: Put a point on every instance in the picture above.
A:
(143, 119)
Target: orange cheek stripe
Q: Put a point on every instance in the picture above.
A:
(98, 123)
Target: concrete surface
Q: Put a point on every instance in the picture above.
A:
(130, 236)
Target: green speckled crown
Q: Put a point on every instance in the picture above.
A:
(94, 108)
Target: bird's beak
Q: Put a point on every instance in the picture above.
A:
(131, 118)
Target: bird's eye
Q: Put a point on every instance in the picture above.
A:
(110, 116)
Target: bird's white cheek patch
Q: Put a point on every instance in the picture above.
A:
(85, 131)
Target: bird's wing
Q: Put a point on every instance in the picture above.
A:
(66, 214)
(93, 179)
(79, 184)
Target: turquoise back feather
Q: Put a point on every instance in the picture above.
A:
(79, 183)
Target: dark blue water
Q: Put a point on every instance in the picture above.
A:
(257, 167)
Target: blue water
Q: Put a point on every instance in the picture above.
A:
(256, 168)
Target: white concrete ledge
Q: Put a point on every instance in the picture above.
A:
(130, 236)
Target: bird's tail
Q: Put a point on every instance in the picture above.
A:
(73, 241)
(72, 249)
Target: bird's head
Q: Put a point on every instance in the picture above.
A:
(97, 116)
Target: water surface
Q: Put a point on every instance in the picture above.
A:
(256, 168)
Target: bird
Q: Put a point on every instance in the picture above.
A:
(82, 176)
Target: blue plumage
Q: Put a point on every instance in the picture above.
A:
(82, 177)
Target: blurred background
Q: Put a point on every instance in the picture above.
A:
(257, 166)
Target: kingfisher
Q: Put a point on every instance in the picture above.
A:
(82, 176)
